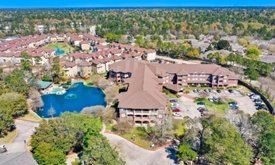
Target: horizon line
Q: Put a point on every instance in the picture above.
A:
(133, 7)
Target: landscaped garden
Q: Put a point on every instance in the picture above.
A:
(62, 46)
(220, 105)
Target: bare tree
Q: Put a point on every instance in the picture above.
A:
(243, 124)
(93, 110)
(35, 97)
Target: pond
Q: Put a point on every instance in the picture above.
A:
(77, 97)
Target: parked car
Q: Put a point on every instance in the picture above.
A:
(3, 149)
(234, 107)
(251, 95)
(211, 99)
(233, 103)
(261, 107)
(230, 91)
(258, 102)
(255, 97)
(177, 115)
(201, 103)
(173, 101)
(201, 109)
(219, 91)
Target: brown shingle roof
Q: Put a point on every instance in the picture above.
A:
(143, 91)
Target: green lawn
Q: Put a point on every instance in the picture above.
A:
(138, 137)
(9, 138)
(215, 106)
(32, 116)
(66, 47)
(169, 94)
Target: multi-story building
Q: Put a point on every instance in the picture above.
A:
(143, 102)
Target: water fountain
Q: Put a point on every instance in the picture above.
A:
(71, 96)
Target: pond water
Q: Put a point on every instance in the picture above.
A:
(77, 97)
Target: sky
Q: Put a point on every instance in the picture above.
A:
(132, 3)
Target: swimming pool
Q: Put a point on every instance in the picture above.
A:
(77, 97)
(59, 51)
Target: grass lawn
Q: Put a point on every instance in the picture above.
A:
(31, 116)
(215, 106)
(138, 137)
(66, 47)
(169, 94)
(9, 138)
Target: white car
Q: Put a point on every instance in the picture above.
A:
(3, 149)
(255, 97)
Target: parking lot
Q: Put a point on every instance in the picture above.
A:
(188, 107)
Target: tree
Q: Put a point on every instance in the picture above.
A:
(111, 94)
(264, 130)
(14, 103)
(185, 153)
(252, 73)
(97, 151)
(11, 105)
(56, 69)
(15, 81)
(243, 42)
(111, 37)
(267, 148)
(51, 112)
(192, 52)
(53, 156)
(253, 53)
(223, 44)
(61, 135)
(26, 62)
(223, 144)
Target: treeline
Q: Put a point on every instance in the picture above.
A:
(168, 23)
(240, 139)
(56, 138)
(253, 69)
(13, 103)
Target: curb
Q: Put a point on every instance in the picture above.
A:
(148, 149)
(28, 120)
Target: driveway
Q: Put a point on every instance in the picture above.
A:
(134, 155)
(188, 107)
(25, 130)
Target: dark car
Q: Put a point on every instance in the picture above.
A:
(173, 100)
(219, 91)
(234, 107)
(261, 107)
(201, 103)
(201, 109)
(230, 91)
(233, 103)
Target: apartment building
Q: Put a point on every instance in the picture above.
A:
(143, 102)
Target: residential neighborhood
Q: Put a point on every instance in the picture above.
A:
(137, 83)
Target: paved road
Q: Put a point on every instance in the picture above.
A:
(134, 155)
(25, 130)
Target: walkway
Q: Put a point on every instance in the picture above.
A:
(135, 155)
(18, 146)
